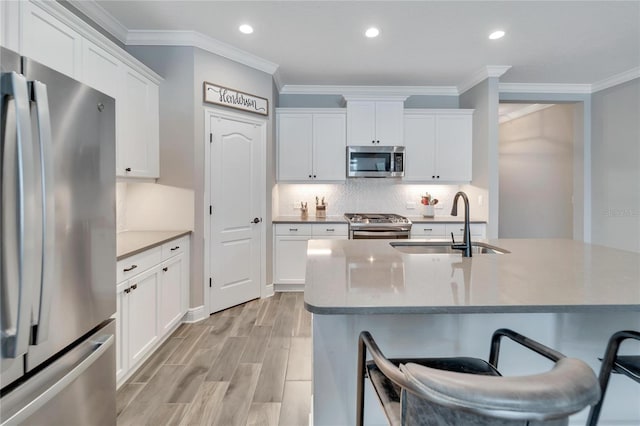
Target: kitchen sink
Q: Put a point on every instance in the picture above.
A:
(443, 247)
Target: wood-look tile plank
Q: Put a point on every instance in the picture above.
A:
(272, 376)
(237, 399)
(154, 362)
(283, 324)
(161, 384)
(167, 414)
(126, 394)
(193, 375)
(264, 414)
(245, 322)
(301, 321)
(206, 405)
(256, 345)
(135, 414)
(267, 311)
(296, 403)
(182, 330)
(234, 311)
(186, 349)
(225, 364)
(300, 355)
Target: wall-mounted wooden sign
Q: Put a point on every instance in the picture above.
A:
(219, 95)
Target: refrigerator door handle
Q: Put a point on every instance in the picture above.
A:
(47, 282)
(101, 346)
(18, 241)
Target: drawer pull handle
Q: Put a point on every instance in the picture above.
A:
(331, 230)
(165, 269)
(133, 287)
(428, 229)
(293, 229)
(175, 248)
(127, 290)
(130, 269)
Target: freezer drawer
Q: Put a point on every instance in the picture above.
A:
(77, 389)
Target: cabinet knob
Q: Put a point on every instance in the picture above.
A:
(377, 141)
(131, 268)
(433, 176)
(128, 169)
(438, 176)
(314, 176)
(373, 141)
(165, 269)
(309, 175)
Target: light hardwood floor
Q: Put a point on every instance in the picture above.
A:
(247, 365)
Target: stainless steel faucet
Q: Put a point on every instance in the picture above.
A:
(466, 242)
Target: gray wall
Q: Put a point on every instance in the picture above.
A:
(536, 174)
(615, 170)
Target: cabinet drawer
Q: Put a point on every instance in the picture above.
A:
(137, 263)
(330, 229)
(174, 247)
(293, 229)
(428, 230)
(477, 229)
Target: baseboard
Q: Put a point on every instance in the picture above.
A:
(267, 291)
(195, 314)
(288, 287)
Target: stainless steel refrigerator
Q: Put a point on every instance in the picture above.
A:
(58, 253)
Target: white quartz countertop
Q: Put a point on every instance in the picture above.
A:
(371, 277)
(310, 219)
(129, 243)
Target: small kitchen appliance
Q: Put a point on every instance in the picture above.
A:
(378, 226)
(375, 161)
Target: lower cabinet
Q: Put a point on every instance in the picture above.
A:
(290, 250)
(439, 231)
(150, 304)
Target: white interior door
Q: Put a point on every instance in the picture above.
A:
(235, 221)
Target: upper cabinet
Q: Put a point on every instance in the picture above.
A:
(311, 145)
(438, 145)
(52, 35)
(377, 122)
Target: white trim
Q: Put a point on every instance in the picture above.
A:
(196, 39)
(406, 91)
(448, 111)
(247, 118)
(544, 88)
(529, 109)
(614, 80)
(267, 291)
(97, 14)
(195, 314)
(277, 80)
(481, 75)
(374, 97)
(285, 110)
(285, 288)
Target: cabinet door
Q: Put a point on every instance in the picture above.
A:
(170, 310)
(361, 122)
(137, 119)
(420, 144)
(100, 69)
(454, 147)
(143, 314)
(122, 320)
(47, 40)
(329, 147)
(290, 259)
(389, 121)
(295, 139)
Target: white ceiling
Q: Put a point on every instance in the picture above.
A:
(422, 43)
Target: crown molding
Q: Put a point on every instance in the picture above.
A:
(97, 14)
(374, 91)
(529, 109)
(481, 75)
(277, 79)
(614, 80)
(544, 88)
(196, 39)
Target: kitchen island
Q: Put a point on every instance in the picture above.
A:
(569, 295)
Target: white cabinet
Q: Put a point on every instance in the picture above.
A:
(311, 145)
(429, 230)
(378, 122)
(290, 249)
(152, 299)
(100, 69)
(138, 126)
(49, 41)
(442, 231)
(438, 145)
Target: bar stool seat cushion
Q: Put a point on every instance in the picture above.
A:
(565, 389)
(629, 365)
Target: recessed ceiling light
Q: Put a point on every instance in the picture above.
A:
(372, 32)
(496, 35)
(245, 29)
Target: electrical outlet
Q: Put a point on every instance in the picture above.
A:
(411, 205)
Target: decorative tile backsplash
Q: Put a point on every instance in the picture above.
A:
(363, 196)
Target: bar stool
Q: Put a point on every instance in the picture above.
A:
(629, 365)
(471, 391)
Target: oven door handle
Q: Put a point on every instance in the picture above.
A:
(380, 233)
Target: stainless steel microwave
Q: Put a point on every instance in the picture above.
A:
(375, 161)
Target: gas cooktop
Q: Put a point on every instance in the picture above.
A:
(376, 219)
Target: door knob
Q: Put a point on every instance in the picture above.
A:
(256, 220)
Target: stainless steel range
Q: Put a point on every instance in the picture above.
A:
(378, 225)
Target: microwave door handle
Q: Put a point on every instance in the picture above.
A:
(47, 281)
(18, 239)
